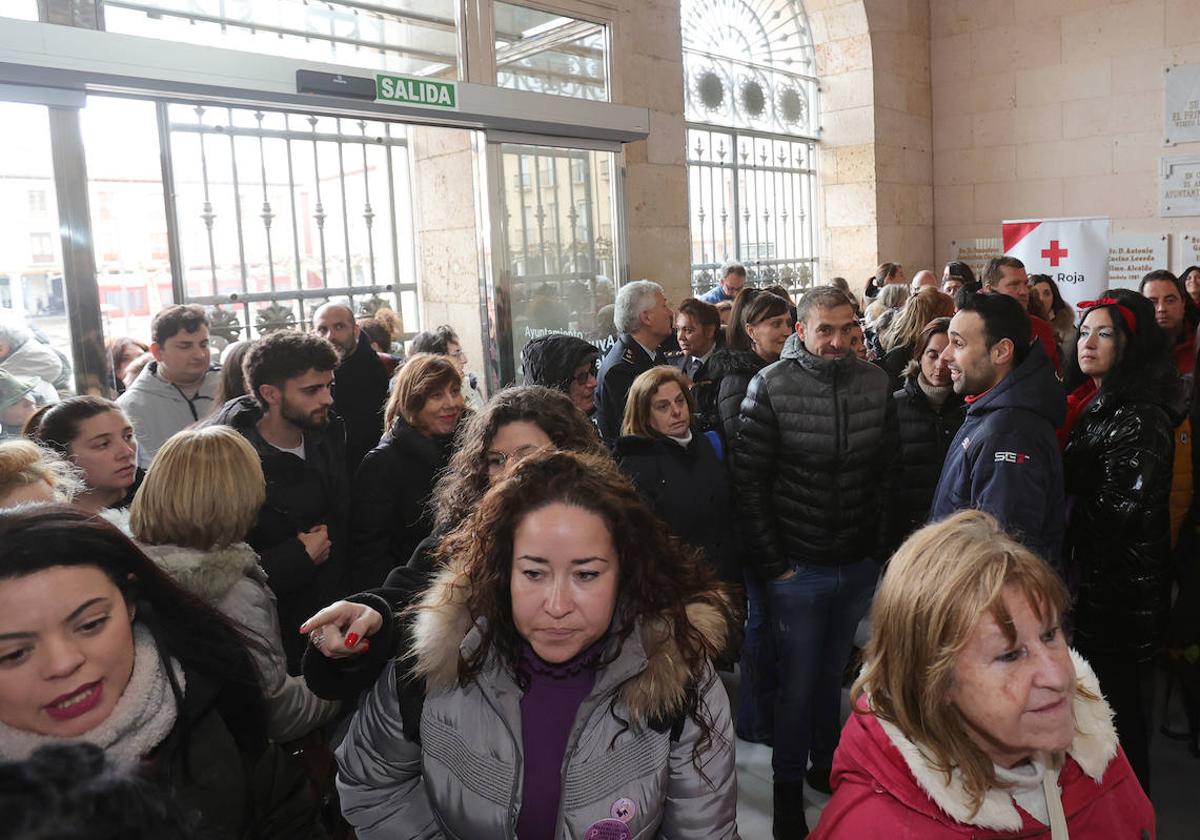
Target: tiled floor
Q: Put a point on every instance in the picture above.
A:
(1176, 779)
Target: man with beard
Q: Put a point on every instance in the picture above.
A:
(359, 383)
(1005, 458)
(300, 534)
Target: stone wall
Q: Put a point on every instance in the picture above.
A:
(1045, 108)
(876, 141)
(447, 241)
(647, 68)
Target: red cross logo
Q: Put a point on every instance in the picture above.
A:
(1054, 253)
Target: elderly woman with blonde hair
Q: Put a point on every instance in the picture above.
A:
(972, 716)
(191, 516)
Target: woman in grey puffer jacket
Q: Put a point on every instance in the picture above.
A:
(558, 683)
(190, 516)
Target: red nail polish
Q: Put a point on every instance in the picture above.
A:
(365, 646)
(351, 640)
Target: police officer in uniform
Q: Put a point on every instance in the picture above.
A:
(644, 320)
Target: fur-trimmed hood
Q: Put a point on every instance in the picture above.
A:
(208, 575)
(1094, 747)
(657, 680)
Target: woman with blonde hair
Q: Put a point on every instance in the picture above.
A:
(902, 334)
(29, 473)
(972, 716)
(191, 516)
(389, 513)
(676, 468)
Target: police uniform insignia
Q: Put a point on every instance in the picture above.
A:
(627, 356)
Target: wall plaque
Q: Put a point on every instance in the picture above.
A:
(1179, 185)
(1189, 252)
(976, 252)
(1181, 103)
(1132, 255)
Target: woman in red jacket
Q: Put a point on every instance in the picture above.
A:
(973, 718)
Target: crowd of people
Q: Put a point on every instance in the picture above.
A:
(321, 587)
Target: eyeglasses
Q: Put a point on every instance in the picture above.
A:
(582, 377)
(458, 354)
(496, 461)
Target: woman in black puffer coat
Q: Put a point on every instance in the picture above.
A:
(1119, 433)
(759, 324)
(929, 414)
(390, 513)
(676, 469)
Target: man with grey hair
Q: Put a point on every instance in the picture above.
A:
(360, 382)
(733, 280)
(644, 320)
(812, 464)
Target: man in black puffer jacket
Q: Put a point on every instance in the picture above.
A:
(813, 461)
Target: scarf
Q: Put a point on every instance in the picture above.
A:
(142, 718)
(1077, 403)
(936, 394)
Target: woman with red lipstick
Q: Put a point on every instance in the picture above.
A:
(390, 513)
(98, 645)
(557, 680)
(1125, 401)
(972, 717)
(97, 437)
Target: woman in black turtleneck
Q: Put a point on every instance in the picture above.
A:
(929, 413)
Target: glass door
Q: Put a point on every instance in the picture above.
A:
(556, 254)
(35, 331)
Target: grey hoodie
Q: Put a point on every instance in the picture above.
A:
(463, 780)
(159, 409)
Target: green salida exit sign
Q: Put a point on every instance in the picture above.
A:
(411, 90)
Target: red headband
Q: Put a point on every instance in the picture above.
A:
(1126, 313)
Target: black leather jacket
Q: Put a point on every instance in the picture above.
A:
(814, 461)
(1117, 466)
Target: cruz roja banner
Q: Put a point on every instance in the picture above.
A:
(1074, 252)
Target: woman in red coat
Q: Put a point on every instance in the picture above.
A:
(973, 718)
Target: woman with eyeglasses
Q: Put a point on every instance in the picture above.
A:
(389, 515)
(513, 425)
(443, 341)
(565, 363)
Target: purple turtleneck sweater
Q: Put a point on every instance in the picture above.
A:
(548, 711)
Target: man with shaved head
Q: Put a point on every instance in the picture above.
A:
(359, 383)
(923, 278)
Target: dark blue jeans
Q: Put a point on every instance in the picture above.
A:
(813, 617)
(756, 689)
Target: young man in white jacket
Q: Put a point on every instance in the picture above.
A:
(179, 387)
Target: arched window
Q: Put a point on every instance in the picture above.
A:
(751, 110)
